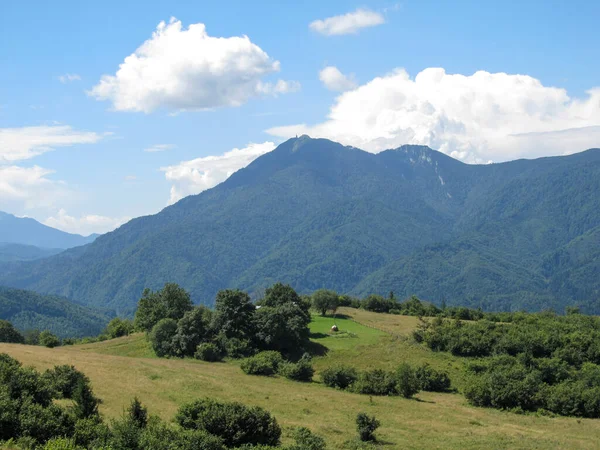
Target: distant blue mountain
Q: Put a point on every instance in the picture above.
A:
(29, 232)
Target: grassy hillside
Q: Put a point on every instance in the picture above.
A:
(122, 368)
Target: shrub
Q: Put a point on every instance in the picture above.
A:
(86, 404)
(375, 382)
(60, 444)
(64, 379)
(158, 435)
(339, 377)
(118, 327)
(366, 426)
(48, 339)
(192, 329)
(407, 383)
(234, 422)
(91, 433)
(137, 413)
(209, 352)
(300, 371)
(161, 337)
(265, 363)
(305, 440)
(9, 334)
(432, 380)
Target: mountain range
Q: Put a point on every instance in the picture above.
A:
(313, 213)
(25, 239)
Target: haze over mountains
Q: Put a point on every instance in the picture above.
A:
(314, 213)
(23, 239)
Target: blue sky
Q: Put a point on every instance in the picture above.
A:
(481, 81)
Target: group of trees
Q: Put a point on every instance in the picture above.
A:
(236, 327)
(325, 301)
(405, 380)
(270, 362)
(536, 362)
(30, 418)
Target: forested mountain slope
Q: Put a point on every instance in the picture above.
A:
(314, 214)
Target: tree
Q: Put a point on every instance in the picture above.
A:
(118, 327)
(234, 422)
(280, 294)
(407, 383)
(171, 302)
(192, 329)
(86, 404)
(48, 339)
(9, 334)
(233, 316)
(137, 413)
(325, 300)
(161, 337)
(283, 328)
(366, 426)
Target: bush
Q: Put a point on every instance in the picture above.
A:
(86, 404)
(161, 337)
(209, 352)
(64, 379)
(48, 339)
(305, 440)
(158, 435)
(118, 327)
(375, 382)
(300, 371)
(407, 383)
(192, 329)
(339, 377)
(9, 334)
(60, 444)
(91, 433)
(265, 363)
(234, 422)
(366, 426)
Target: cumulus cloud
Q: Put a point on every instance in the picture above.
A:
(85, 224)
(160, 148)
(186, 69)
(476, 118)
(334, 80)
(197, 175)
(68, 77)
(347, 23)
(26, 142)
(26, 188)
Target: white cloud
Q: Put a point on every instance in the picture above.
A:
(85, 224)
(197, 175)
(334, 80)
(68, 77)
(26, 142)
(347, 23)
(186, 69)
(160, 148)
(478, 118)
(27, 188)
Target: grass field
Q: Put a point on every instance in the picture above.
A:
(122, 368)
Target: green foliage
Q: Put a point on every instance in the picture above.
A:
(170, 302)
(304, 439)
(192, 329)
(376, 382)
(407, 383)
(325, 300)
(47, 339)
(86, 403)
(432, 380)
(235, 423)
(137, 413)
(119, 327)
(162, 337)
(209, 352)
(339, 377)
(233, 316)
(264, 363)
(283, 327)
(366, 426)
(9, 334)
(28, 311)
(299, 371)
(64, 380)
(60, 444)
